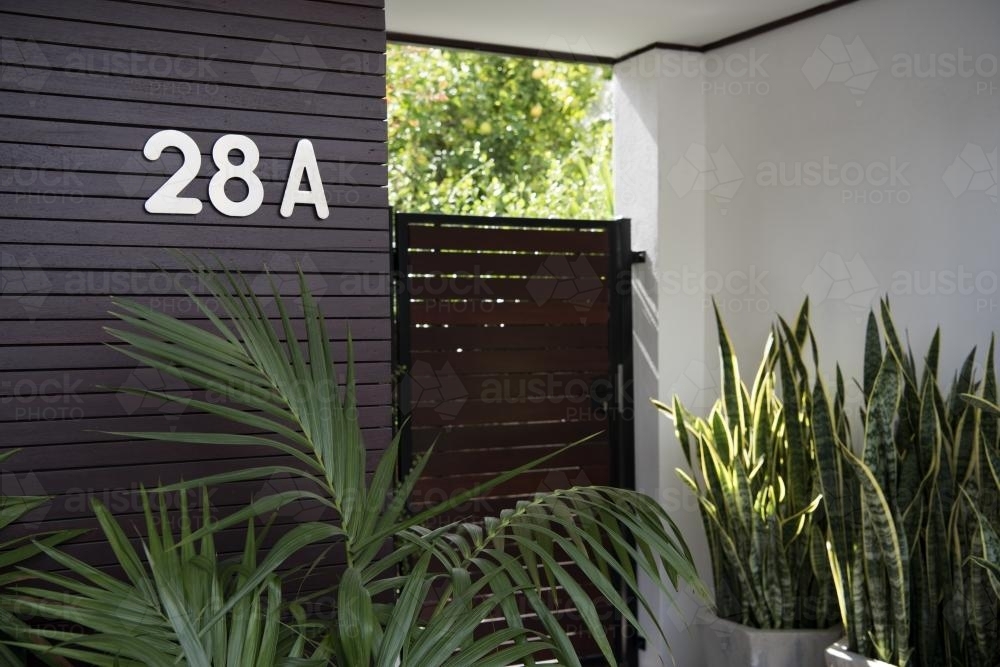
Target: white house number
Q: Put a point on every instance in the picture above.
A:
(168, 200)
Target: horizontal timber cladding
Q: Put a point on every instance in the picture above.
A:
(83, 85)
(505, 336)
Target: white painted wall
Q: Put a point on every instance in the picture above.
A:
(926, 235)
(888, 236)
(655, 118)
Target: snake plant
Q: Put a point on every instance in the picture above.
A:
(908, 516)
(913, 518)
(989, 524)
(752, 469)
(425, 600)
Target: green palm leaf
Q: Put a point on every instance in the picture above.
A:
(176, 605)
(13, 554)
(284, 392)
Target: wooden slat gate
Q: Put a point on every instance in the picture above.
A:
(513, 337)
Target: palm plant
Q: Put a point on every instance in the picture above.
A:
(14, 552)
(753, 473)
(905, 517)
(421, 602)
(175, 606)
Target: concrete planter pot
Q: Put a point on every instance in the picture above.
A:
(728, 644)
(838, 655)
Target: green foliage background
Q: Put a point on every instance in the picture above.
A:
(481, 134)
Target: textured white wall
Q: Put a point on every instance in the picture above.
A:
(847, 157)
(656, 117)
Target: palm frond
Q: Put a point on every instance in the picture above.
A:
(14, 552)
(168, 608)
(281, 391)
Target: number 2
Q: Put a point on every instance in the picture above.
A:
(166, 199)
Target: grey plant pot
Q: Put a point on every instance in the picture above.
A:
(838, 655)
(728, 644)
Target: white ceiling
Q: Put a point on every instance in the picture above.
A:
(606, 28)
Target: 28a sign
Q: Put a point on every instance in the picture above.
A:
(168, 199)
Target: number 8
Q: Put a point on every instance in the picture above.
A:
(243, 171)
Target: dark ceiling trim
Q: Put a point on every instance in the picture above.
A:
(659, 45)
(524, 52)
(774, 25)
(520, 52)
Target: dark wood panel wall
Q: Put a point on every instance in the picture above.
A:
(83, 85)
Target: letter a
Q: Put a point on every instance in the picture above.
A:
(304, 162)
